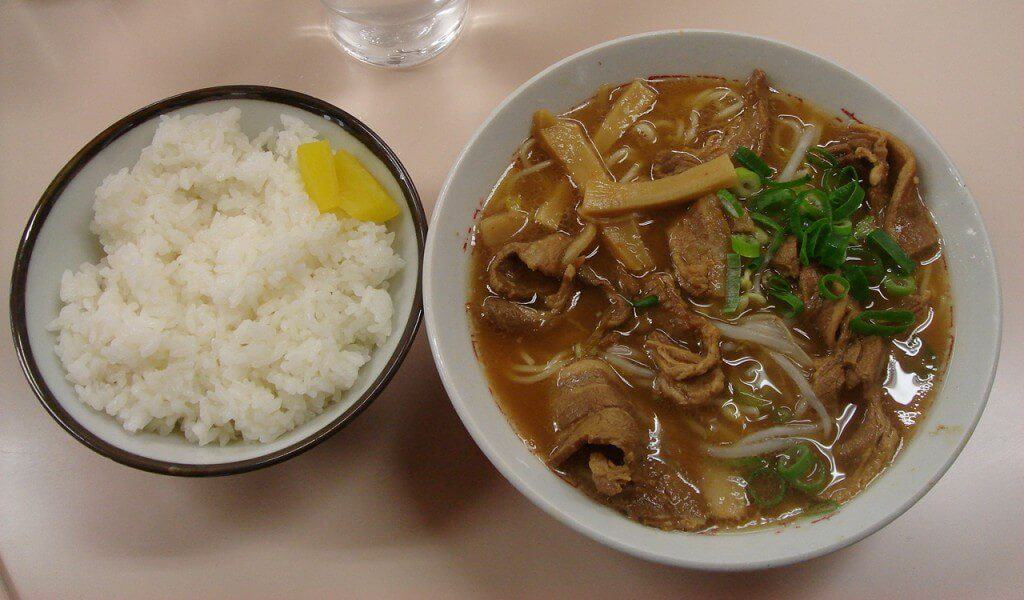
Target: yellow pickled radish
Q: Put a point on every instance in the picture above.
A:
(316, 166)
(362, 196)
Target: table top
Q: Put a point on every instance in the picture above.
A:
(402, 503)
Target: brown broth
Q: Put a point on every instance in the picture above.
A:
(916, 360)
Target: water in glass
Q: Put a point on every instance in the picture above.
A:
(395, 33)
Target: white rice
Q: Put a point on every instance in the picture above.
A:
(226, 305)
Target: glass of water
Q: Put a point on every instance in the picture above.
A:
(395, 33)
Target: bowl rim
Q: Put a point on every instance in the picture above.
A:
(53, 192)
(536, 496)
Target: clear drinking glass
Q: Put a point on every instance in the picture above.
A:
(395, 33)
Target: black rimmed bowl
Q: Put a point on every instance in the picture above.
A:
(57, 238)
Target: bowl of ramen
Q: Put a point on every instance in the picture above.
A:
(696, 294)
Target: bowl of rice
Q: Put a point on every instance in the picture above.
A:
(181, 305)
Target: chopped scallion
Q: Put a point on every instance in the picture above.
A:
(730, 204)
(779, 289)
(746, 157)
(890, 251)
(749, 182)
(899, 286)
(746, 246)
(882, 322)
(732, 283)
(645, 302)
(828, 283)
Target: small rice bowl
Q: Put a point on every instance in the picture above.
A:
(225, 305)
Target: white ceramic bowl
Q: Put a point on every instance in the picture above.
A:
(57, 238)
(941, 435)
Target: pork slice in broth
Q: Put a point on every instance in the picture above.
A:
(891, 173)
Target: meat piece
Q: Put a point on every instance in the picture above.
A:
(684, 376)
(593, 417)
(694, 390)
(890, 169)
(825, 318)
(786, 260)
(698, 242)
(619, 309)
(609, 478)
(749, 129)
(856, 362)
(869, 449)
(677, 362)
(539, 275)
(511, 317)
(661, 496)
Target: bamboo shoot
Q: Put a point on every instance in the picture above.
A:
(635, 101)
(494, 231)
(610, 199)
(551, 213)
(566, 142)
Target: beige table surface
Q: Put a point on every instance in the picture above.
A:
(401, 503)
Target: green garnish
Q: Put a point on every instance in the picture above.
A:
(745, 245)
(863, 228)
(747, 158)
(890, 251)
(779, 289)
(749, 182)
(645, 302)
(748, 399)
(795, 462)
(782, 414)
(732, 283)
(828, 283)
(730, 204)
(895, 285)
(882, 322)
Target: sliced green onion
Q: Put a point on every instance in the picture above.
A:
(809, 239)
(782, 414)
(863, 228)
(846, 199)
(891, 252)
(765, 487)
(645, 302)
(773, 199)
(815, 482)
(748, 399)
(766, 222)
(822, 508)
(748, 464)
(813, 203)
(831, 250)
(822, 158)
(749, 182)
(746, 157)
(836, 178)
(732, 283)
(792, 183)
(826, 286)
(882, 322)
(860, 287)
(796, 462)
(779, 289)
(745, 245)
(842, 227)
(899, 286)
(730, 204)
